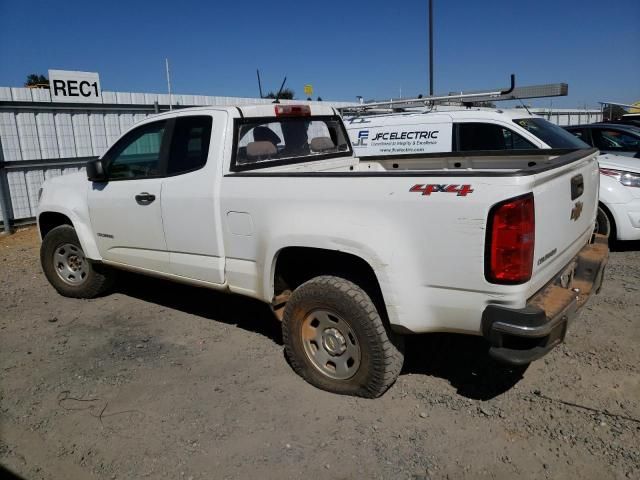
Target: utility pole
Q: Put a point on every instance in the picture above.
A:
(166, 63)
(430, 47)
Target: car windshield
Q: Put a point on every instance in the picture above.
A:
(551, 134)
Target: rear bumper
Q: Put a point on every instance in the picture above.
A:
(520, 336)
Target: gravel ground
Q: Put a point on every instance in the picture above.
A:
(158, 380)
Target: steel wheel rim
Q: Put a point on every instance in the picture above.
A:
(330, 344)
(70, 264)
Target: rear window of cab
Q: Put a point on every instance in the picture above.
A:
(266, 142)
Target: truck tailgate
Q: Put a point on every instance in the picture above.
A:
(566, 200)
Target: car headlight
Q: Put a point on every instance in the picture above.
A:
(628, 179)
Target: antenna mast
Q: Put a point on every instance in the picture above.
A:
(166, 63)
(259, 83)
(277, 100)
(431, 48)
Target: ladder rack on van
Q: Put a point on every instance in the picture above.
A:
(511, 93)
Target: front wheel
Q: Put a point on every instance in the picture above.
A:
(66, 267)
(604, 224)
(336, 340)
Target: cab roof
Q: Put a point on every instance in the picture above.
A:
(251, 111)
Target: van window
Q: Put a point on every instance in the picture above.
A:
(488, 136)
(551, 134)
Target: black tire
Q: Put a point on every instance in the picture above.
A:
(381, 351)
(91, 279)
(605, 224)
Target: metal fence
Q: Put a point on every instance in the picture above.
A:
(40, 139)
(22, 182)
(569, 116)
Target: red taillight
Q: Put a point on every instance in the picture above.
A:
(293, 110)
(511, 238)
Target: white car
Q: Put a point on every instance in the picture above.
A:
(619, 212)
(468, 131)
(269, 202)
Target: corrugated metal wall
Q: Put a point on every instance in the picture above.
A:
(59, 134)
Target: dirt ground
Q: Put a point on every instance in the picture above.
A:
(158, 380)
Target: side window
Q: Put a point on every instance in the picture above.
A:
(487, 136)
(580, 133)
(137, 155)
(190, 144)
(615, 140)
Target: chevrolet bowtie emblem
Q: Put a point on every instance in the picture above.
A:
(577, 211)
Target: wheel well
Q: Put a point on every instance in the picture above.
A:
(612, 219)
(296, 265)
(50, 220)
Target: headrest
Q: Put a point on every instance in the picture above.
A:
(321, 144)
(261, 149)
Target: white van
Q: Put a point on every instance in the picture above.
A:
(454, 129)
(462, 131)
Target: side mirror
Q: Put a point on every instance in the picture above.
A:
(95, 171)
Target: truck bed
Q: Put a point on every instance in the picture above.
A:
(417, 220)
(493, 163)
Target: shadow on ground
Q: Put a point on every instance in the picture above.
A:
(460, 359)
(241, 311)
(8, 474)
(629, 246)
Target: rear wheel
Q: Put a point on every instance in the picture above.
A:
(66, 267)
(335, 339)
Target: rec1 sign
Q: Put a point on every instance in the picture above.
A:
(74, 87)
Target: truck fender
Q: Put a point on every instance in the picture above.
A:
(347, 246)
(81, 225)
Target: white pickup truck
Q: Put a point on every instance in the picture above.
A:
(270, 202)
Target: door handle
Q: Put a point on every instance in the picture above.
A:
(145, 198)
(577, 186)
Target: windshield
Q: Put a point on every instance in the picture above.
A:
(552, 135)
(266, 142)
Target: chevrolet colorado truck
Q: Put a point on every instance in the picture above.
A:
(351, 254)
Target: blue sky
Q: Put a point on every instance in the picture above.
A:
(344, 48)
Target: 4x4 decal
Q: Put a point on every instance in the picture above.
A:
(460, 190)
